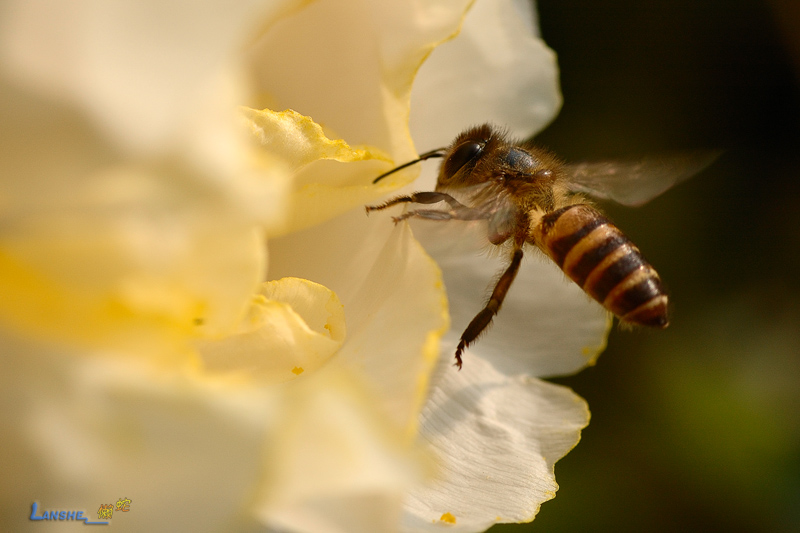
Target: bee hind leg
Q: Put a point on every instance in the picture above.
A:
(485, 316)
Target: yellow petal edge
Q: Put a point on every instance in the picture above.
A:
(299, 140)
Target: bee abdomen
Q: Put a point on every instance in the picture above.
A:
(597, 256)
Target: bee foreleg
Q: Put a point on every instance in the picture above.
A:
(485, 316)
(428, 197)
(457, 211)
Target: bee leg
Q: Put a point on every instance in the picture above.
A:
(428, 197)
(457, 210)
(485, 316)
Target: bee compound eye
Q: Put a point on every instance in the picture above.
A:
(461, 156)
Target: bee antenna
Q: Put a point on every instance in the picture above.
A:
(439, 152)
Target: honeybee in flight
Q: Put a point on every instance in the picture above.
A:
(527, 196)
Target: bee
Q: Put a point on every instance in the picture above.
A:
(527, 196)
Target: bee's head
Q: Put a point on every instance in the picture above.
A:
(482, 154)
(479, 154)
(464, 154)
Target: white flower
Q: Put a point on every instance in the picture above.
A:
(158, 165)
(496, 430)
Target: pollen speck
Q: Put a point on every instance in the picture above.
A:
(448, 518)
(298, 370)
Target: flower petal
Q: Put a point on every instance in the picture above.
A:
(293, 327)
(497, 439)
(497, 70)
(77, 431)
(141, 223)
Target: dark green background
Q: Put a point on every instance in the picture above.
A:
(695, 428)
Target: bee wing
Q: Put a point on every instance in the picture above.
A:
(492, 202)
(489, 196)
(635, 182)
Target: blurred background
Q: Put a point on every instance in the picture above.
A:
(695, 428)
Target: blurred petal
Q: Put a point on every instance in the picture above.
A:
(84, 54)
(81, 432)
(129, 260)
(356, 87)
(293, 327)
(496, 439)
(343, 468)
(130, 198)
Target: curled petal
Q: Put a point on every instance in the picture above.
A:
(393, 298)
(299, 140)
(496, 439)
(293, 327)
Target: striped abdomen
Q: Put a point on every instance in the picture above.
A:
(605, 263)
